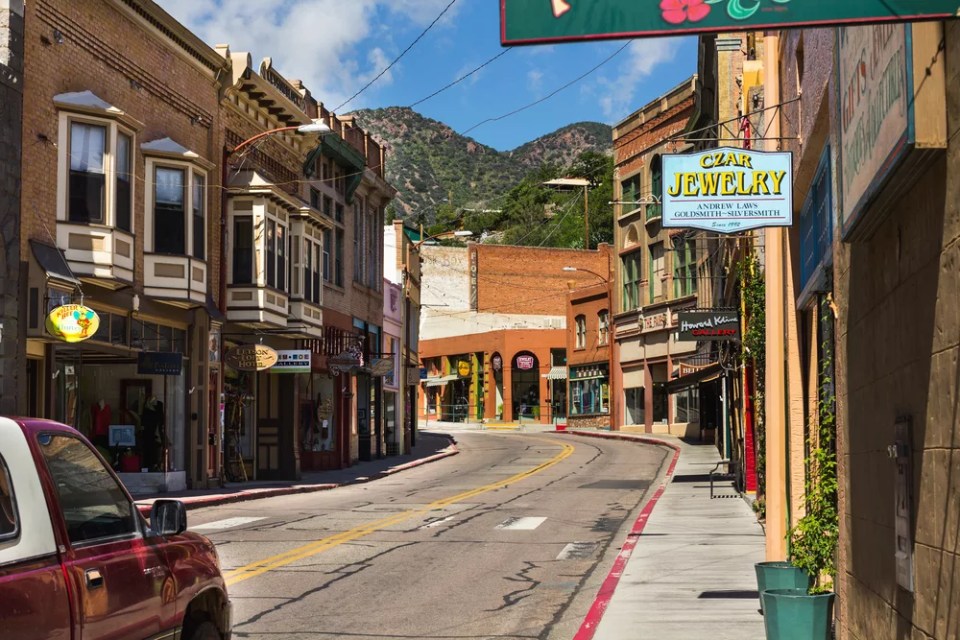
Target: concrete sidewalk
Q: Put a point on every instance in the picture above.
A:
(686, 571)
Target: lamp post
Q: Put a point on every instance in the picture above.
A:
(577, 182)
(442, 235)
(316, 126)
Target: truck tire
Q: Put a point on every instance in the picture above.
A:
(206, 631)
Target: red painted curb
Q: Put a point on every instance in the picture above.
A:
(592, 620)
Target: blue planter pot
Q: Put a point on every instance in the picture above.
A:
(779, 574)
(793, 614)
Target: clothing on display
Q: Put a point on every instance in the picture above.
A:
(153, 432)
(100, 416)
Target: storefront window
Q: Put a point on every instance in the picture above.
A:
(634, 405)
(688, 405)
(589, 390)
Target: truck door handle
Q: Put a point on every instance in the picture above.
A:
(94, 578)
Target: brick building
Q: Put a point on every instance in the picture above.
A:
(120, 212)
(494, 329)
(660, 271)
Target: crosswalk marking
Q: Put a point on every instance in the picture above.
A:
(521, 524)
(436, 523)
(229, 523)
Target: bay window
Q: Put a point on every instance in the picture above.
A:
(123, 190)
(98, 159)
(242, 250)
(311, 271)
(177, 205)
(88, 171)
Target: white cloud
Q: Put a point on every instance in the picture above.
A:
(535, 81)
(645, 55)
(316, 41)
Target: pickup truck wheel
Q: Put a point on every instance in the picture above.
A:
(206, 631)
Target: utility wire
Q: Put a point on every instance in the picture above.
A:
(397, 59)
(460, 79)
(550, 95)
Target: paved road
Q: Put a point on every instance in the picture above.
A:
(509, 539)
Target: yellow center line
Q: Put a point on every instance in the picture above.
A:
(305, 551)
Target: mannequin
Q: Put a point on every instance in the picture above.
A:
(100, 416)
(153, 431)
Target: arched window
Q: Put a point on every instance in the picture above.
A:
(603, 327)
(581, 324)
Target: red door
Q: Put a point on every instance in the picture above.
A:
(116, 570)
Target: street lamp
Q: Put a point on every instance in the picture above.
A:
(576, 182)
(587, 271)
(317, 126)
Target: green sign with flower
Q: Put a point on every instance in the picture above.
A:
(544, 21)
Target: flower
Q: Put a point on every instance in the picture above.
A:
(677, 11)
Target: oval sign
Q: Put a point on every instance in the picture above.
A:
(72, 322)
(463, 368)
(251, 357)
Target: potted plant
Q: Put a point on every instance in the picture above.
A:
(499, 412)
(805, 613)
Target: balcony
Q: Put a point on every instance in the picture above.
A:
(257, 307)
(98, 254)
(177, 280)
(306, 320)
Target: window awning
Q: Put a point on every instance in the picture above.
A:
(706, 374)
(556, 373)
(53, 262)
(438, 380)
(339, 150)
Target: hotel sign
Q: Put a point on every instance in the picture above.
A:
(727, 190)
(708, 325)
(250, 357)
(543, 21)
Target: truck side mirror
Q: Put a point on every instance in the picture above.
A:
(168, 517)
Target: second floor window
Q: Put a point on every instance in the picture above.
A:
(656, 271)
(685, 269)
(630, 193)
(276, 267)
(338, 258)
(581, 325)
(631, 281)
(603, 327)
(179, 211)
(242, 250)
(327, 250)
(311, 271)
(100, 165)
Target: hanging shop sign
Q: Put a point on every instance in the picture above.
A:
(496, 362)
(72, 322)
(525, 363)
(251, 357)
(544, 21)
(708, 325)
(728, 190)
(891, 117)
(292, 361)
(463, 368)
(381, 367)
(346, 361)
(159, 363)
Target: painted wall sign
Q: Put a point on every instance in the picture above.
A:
(525, 363)
(250, 357)
(463, 368)
(72, 322)
(708, 325)
(292, 361)
(727, 190)
(159, 363)
(654, 322)
(543, 21)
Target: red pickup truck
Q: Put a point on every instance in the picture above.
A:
(79, 562)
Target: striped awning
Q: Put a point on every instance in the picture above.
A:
(438, 380)
(556, 373)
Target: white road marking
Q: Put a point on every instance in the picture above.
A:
(577, 551)
(436, 523)
(229, 523)
(521, 524)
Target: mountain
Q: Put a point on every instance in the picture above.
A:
(430, 164)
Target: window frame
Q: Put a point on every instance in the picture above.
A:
(113, 129)
(190, 171)
(631, 287)
(603, 327)
(580, 325)
(685, 269)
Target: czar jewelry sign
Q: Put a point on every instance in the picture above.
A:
(727, 190)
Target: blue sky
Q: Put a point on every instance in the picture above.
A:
(337, 46)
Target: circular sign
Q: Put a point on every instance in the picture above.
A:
(463, 368)
(525, 362)
(72, 322)
(251, 357)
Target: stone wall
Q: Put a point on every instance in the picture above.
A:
(12, 354)
(899, 355)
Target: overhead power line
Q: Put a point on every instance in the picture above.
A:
(397, 59)
(550, 95)
(460, 79)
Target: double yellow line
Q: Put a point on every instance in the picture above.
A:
(305, 551)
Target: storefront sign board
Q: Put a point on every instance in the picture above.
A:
(292, 361)
(159, 363)
(708, 325)
(546, 21)
(72, 322)
(727, 190)
(525, 363)
(463, 368)
(251, 357)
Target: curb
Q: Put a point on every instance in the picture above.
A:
(197, 502)
(592, 620)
